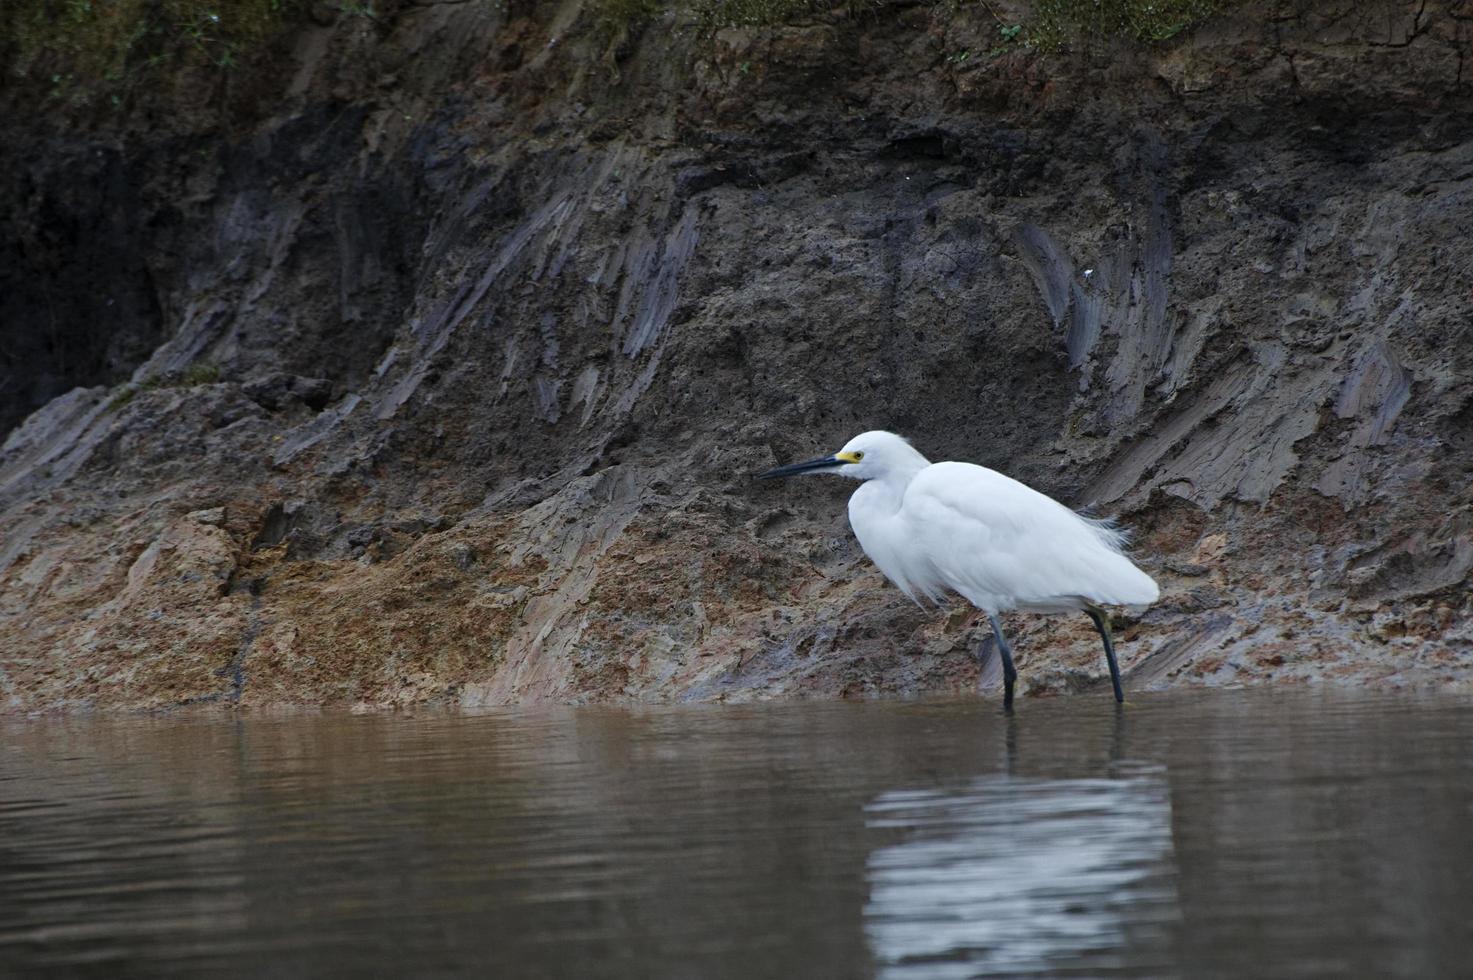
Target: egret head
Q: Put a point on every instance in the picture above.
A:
(868, 456)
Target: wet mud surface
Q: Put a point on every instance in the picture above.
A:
(436, 365)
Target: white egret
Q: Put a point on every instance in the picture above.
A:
(935, 528)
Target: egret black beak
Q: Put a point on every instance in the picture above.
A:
(795, 469)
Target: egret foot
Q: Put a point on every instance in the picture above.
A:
(1102, 623)
(1009, 673)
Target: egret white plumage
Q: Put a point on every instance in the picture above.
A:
(934, 528)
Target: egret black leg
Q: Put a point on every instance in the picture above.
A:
(1102, 623)
(1009, 673)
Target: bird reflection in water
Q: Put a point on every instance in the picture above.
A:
(1009, 874)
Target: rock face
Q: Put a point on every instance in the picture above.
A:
(443, 348)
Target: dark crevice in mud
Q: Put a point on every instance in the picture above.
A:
(79, 304)
(235, 670)
(278, 522)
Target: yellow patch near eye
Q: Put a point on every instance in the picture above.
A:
(850, 457)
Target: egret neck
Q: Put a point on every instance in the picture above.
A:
(884, 483)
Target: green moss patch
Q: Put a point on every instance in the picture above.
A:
(81, 48)
(1051, 24)
(1066, 23)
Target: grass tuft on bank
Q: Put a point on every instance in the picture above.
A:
(86, 47)
(1050, 25)
(1056, 24)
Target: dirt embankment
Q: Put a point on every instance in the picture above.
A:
(454, 336)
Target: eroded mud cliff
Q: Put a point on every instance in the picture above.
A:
(427, 357)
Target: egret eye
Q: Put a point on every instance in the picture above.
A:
(858, 456)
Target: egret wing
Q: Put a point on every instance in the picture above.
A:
(1004, 545)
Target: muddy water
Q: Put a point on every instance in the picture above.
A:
(1191, 834)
